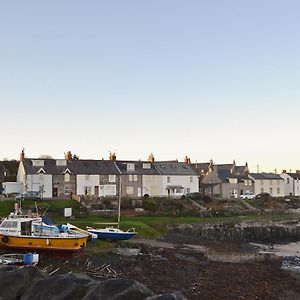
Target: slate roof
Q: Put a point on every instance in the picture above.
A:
(90, 167)
(174, 168)
(294, 175)
(200, 167)
(264, 176)
(138, 167)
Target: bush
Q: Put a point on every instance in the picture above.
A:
(150, 205)
(126, 203)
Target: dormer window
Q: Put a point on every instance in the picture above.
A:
(130, 167)
(146, 166)
(61, 162)
(38, 163)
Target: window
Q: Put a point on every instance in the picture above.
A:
(191, 178)
(112, 178)
(87, 190)
(67, 177)
(271, 191)
(288, 181)
(130, 167)
(135, 178)
(188, 190)
(61, 162)
(250, 182)
(130, 178)
(232, 180)
(38, 163)
(278, 190)
(178, 191)
(146, 166)
(87, 177)
(129, 190)
(262, 182)
(262, 190)
(67, 191)
(168, 179)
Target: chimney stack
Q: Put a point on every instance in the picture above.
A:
(298, 171)
(68, 156)
(112, 156)
(187, 160)
(22, 155)
(283, 171)
(151, 157)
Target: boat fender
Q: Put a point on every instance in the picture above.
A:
(5, 239)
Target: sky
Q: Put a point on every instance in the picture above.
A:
(210, 79)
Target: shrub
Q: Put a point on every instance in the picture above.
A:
(150, 205)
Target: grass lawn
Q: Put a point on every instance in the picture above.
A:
(148, 226)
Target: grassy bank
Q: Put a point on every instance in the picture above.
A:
(148, 226)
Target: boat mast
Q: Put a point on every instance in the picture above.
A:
(119, 208)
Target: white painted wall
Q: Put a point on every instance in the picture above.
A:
(89, 181)
(21, 176)
(38, 182)
(291, 185)
(152, 185)
(190, 184)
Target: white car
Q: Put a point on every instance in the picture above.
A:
(247, 196)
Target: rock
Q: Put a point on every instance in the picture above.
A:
(173, 296)
(30, 283)
(65, 286)
(118, 289)
(14, 282)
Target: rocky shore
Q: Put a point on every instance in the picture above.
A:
(31, 283)
(182, 266)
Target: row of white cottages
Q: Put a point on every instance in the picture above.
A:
(102, 178)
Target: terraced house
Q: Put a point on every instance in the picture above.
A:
(268, 183)
(105, 178)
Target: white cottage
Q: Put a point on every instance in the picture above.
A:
(291, 183)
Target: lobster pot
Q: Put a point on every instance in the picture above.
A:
(28, 259)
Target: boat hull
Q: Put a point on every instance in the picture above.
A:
(113, 235)
(43, 243)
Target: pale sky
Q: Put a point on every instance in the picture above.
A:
(207, 79)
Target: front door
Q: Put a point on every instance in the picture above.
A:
(55, 192)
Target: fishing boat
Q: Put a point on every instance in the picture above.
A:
(19, 231)
(113, 233)
(19, 259)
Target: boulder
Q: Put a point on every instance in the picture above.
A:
(14, 282)
(118, 289)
